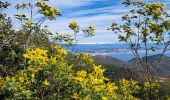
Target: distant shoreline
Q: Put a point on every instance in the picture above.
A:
(120, 51)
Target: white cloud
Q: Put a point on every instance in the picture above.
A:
(101, 22)
(168, 11)
(70, 3)
(110, 9)
(73, 3)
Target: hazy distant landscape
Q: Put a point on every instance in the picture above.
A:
(120, 51)
(120, 55)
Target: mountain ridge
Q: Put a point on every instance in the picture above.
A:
(163, 70)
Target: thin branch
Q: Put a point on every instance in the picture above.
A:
(75, 38)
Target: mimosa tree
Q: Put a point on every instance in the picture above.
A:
(145, 23)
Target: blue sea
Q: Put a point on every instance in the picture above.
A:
(120, 51)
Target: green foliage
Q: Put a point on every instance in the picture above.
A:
(89, 32)
(150, 20)
(93, 86)
(50, 75)
(10, 50)
(43, 8)
(82, 62)
(74, 26)
(165, 84)
(65, 39)
(145, 23)
(128, 89)
(4, 5)
(47, 10)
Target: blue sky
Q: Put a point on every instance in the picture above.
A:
(100, 13)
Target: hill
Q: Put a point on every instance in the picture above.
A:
(111, 61)
(114, 65)
(163, 68)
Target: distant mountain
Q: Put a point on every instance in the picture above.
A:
(163, 68)
(111, 61)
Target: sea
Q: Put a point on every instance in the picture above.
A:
(120, 51)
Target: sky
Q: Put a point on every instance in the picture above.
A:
(100, 13)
